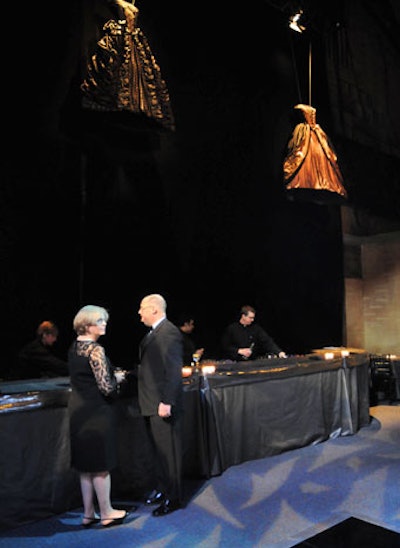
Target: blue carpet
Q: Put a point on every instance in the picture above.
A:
(307, 497)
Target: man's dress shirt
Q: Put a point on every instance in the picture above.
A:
(253, 336)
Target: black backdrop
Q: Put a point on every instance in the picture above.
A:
(98, 209)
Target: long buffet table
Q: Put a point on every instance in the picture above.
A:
(243, 411)
(253, 413)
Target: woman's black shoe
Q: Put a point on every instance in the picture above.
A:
(110, 522)
(90, 521)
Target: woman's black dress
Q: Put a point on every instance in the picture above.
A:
(92, 419)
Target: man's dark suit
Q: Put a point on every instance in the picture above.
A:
(160, 380)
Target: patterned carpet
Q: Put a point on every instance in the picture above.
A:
(343, 493)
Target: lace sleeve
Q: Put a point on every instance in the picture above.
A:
(102, 371)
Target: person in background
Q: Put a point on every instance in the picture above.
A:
(92, 418)
(186, 325)
(245, 340)
(37, 360)
(160, 395)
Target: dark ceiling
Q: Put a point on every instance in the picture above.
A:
(97, 208)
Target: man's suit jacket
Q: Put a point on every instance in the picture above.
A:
(160, 369)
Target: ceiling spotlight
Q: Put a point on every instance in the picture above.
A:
(294, 22)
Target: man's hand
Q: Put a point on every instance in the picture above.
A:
(245, 352)
(164, 410)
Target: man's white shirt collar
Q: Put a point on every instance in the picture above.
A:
(158, 322)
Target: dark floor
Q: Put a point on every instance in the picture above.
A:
(353, 533)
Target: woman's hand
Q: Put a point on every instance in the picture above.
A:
(120, 375)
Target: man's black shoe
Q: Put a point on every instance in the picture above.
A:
(167, 507)
(155, 497)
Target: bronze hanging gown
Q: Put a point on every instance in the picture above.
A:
(123, 75)
(311, 162)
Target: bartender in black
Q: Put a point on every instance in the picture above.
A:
(245, 340)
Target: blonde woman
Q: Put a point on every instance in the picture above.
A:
(92, 416)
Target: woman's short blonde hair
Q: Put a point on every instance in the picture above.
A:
(89, 315)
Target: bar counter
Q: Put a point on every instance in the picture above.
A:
(243, 411)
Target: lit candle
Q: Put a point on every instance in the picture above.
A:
(208, 369)
(329, 355)
(345, 353)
